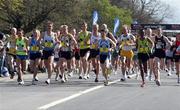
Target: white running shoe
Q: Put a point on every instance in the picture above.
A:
(47, 81)
(63, 80)
(85, 77)
(21, 82)
(88, 76)
(169, 73)
(147, 76)
(150, 77)
(70, 74)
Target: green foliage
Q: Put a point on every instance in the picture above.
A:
(30, 14)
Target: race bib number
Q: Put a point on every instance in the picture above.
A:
(93, 46)
(158, 46)
(63, 44)
(12, 50)
(104, 50)
(48, 44)
(143, 49)
(35, 48)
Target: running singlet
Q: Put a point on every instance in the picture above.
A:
(104, 45)
(48, 42)
(21, 47)
(82, 38)
(34, 46)
(94, 41)
(125, 40)
(143, 46)
(160, 44)
(12, 45)
(65, 43)
(177, 47)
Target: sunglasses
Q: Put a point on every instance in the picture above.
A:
(102, 30)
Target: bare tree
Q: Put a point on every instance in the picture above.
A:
(145, 11)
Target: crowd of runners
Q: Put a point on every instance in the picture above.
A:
(67, 52)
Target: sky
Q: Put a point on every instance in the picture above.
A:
(175, 8)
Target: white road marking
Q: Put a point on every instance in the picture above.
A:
(45, 107)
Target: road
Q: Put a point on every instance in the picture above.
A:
(87, 95)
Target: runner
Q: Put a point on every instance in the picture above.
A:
(151, 52)
(104, 46)
(35, 54)
(11, 52)
(169, 58)
(21, 55)
(94, 51)
(142, 44)
(177, 55)
(109, 34)
(57, 56)
(84, 43)
(76, 52)
(126, 41)
(160, 44)
(66, 52)
(56, 61)
(73, 60)
(113, 52)
(48, 41)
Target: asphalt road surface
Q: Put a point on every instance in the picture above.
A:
(87, 95)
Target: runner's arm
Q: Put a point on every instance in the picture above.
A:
(151, 42)
(112, 37)
(167, 41)
(112, 42)
(74, 40)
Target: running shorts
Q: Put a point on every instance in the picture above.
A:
(103, 58)
(176, 58)
(127, 54)
(93, 53)
(77, 55)
(143, 57)
(159, 54)
(47, 54)
(65, 54)
(34, 56)
(22, 57)
(83, 52)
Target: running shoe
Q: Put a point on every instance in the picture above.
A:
(63, 80)
(158, 83)
(178, 80)
(85, 76)
(143, 83)
(169, 73)
(70, 74)
(123, 79)
(106, 83)
(36, 78)
(34, 82)
(80, 77)
(21, 82)
(47, 81)
(150, 77)
(96, 80)
(88, 76)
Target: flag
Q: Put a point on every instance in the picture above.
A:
(95, 17)
(116, 25)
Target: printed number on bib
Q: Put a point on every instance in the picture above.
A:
(34, 48)
(48, 44)
(104, 50)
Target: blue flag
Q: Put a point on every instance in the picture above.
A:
(95, 17)
(116, 25)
